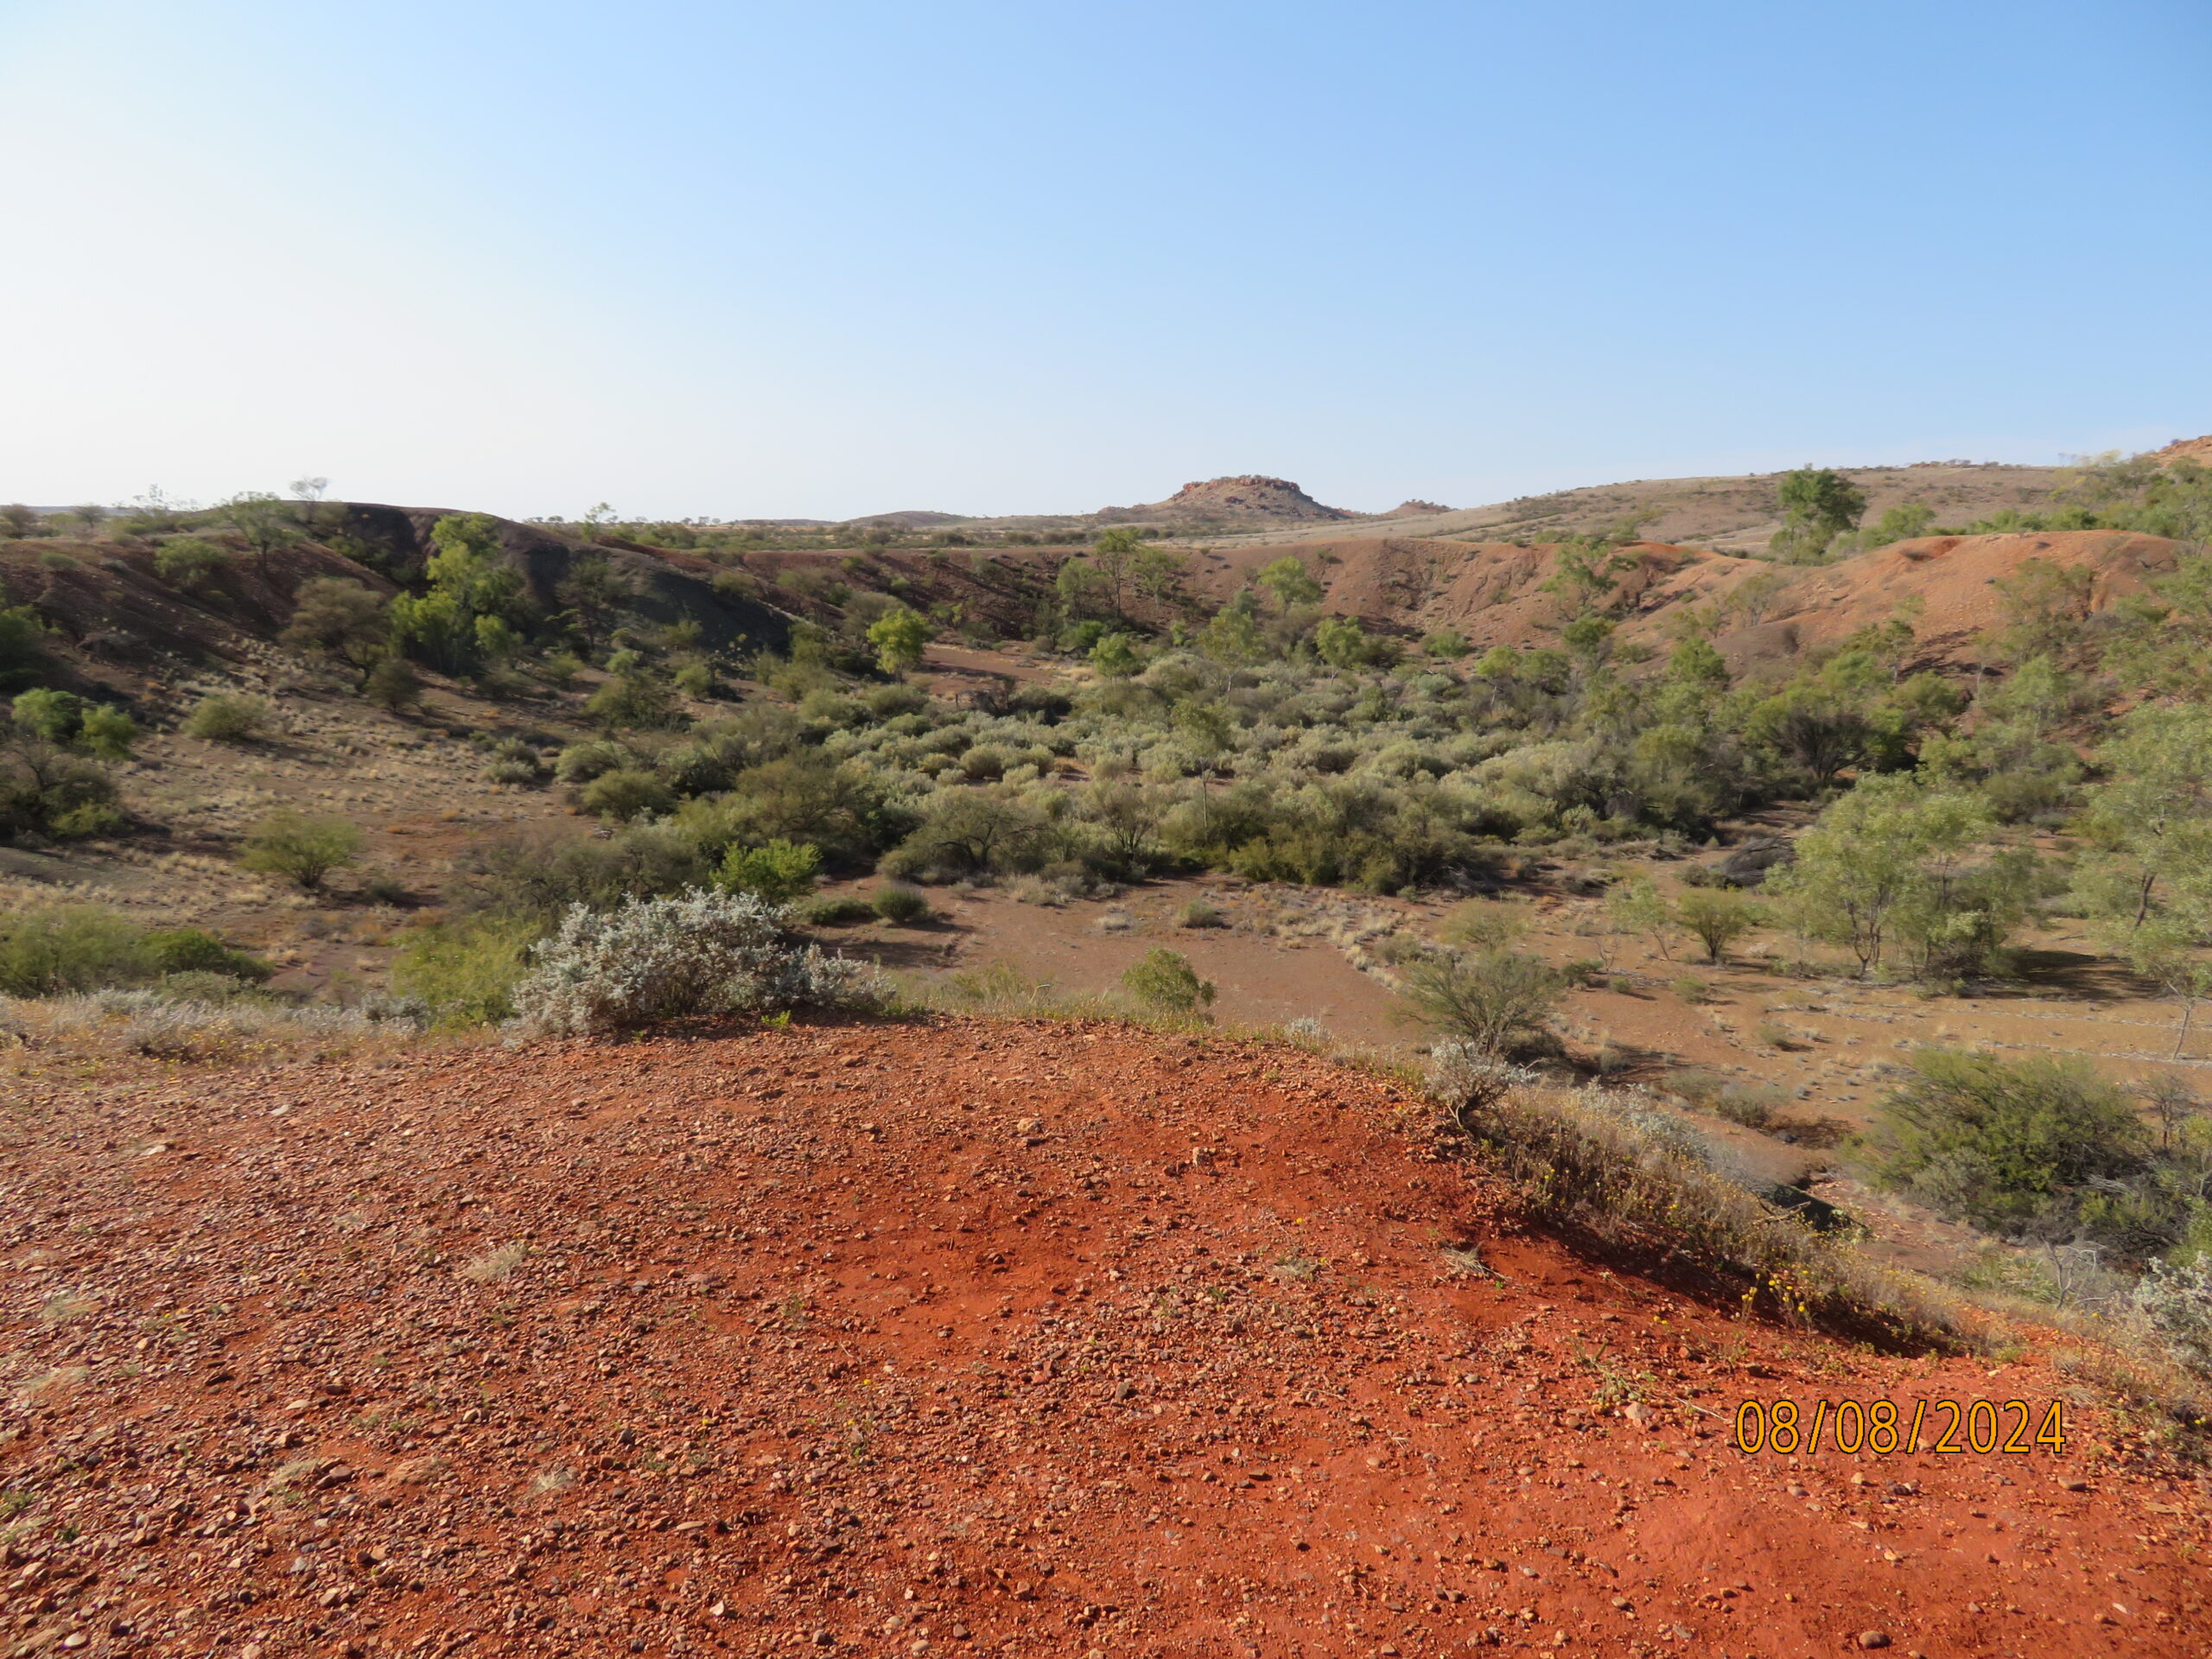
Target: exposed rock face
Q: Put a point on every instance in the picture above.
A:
(1249, 499)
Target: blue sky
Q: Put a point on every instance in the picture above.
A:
(833, 259)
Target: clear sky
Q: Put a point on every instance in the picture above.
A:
(819, 257)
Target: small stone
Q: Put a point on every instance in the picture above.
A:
(1873, 1638)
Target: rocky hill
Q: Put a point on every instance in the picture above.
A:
(1247, 500)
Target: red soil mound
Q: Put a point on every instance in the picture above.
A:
(1040, 1339)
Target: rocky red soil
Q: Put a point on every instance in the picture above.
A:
(963, 1337)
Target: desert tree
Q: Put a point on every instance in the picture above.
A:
(1818, 505)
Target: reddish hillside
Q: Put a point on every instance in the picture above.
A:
(1027, 1339)
(1499, 593)
(2196, 449)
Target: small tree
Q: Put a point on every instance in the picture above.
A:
(338, 617)
(1889, 849)
(899, 635)
(1636, 906)
(1718, 916)
(1289, 581)
(1817, 506)
(594, 597)
(393, 683)
(267, 525)
(303, 849)
(1495, 1000)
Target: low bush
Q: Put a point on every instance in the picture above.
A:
(304, 849)
(2012, 1146)
(71, 948)
(541, 873)
(48, 792)
(191, 562)
(1165, 981)
(903, 906)
(1752, 1104)
(842, 911)
(231, 717)
(464, 971)
(775, 874)
(193, 951)
(703, 953)
(1499, 1001)
(1199, 913)
(625, 795)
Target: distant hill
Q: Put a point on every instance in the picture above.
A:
(1730, 514)
(1247, 500)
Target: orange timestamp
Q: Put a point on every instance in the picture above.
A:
(1982, 1426)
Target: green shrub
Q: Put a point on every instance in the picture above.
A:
(22, 645)
(695, 680)
(1692, 989)
(541, 873)
(776, 873)
(44, 791)
(191, 950)
(71, 948)
(1199, 913)
(841, 911)
(107, 732)
(229, 717)
(192, 561)
(625, 794)
(1165, 981)
(1499, 1001)
(303, 849)
(903, 906)
(2008, 1145)
(55, 716)
(67, 720)
(464, 970)
(633, 701)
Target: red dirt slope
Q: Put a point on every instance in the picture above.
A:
(1022, 1339)
(1496, 593)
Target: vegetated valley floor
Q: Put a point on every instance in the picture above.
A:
(1019, 1339)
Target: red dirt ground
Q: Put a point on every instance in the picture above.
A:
(964, 1337)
